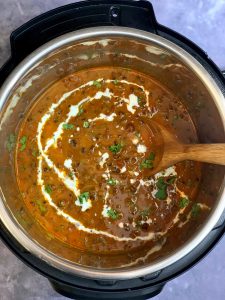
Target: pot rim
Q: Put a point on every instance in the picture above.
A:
(102, 32)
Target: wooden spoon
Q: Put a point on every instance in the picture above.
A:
(171, 151)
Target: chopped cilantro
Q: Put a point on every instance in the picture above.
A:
(112, 181)
(116, 148)
(171, 180)
(145, 212)
(113, 214)
(86, 124)
(23, 143)
(184, 201)
(152, 156)
(97, 84)
(41, 207)
(162, 185)
(195, 210)
(35, 153)
(147, 163)
(71, 175)
(48, 189)
(137, 134)
(161, 194)
(11, 141)
(81, 110)
(116, 81)
(67, 126)
(139, 101)
(83, 197)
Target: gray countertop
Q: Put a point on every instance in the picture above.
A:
(203, 21)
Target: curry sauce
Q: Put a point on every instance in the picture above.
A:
(82, 164)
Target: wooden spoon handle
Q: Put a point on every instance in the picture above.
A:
(210, 153)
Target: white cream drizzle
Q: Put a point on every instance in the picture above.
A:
(135, 140)
(68, 163)
(104, 42)
(202, 205)
(123, 170)
(121, 225)
(143, 258)
(106, 93)
(103, 159)
(154, 50)
(131, 103)
(132, 181)
(141, 148)
(105, 210)
(109, 118)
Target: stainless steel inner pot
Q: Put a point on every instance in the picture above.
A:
(112, 46)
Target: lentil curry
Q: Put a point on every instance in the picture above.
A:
(82, 164)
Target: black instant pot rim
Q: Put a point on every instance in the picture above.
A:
(170, 272)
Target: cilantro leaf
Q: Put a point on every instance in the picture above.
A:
(147, 163)
(116, 148)
(195, 211)
(151, 156)
(137, 134)
(23, 143)
(81, 110)
(86, 124)
(68, 126)
(48, 189)
(11, 142)
(184, 201)
(162, 185)
(171, 180)
(112, 181)
(113, 214)
(35, 153)
(161, 194)
(83, 197)
(70, 175)
(97, 84)
(41, 207)
(145, 212)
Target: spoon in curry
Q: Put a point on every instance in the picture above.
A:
(171, 151)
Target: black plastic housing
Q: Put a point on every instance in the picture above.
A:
(27, 38)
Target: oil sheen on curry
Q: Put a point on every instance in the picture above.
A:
(82, 165)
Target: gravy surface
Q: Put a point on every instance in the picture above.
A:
(82, 165)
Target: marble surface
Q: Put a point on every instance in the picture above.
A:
(203, 21)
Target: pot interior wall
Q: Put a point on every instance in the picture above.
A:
(147, 57)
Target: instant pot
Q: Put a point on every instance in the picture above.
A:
(97, 33)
